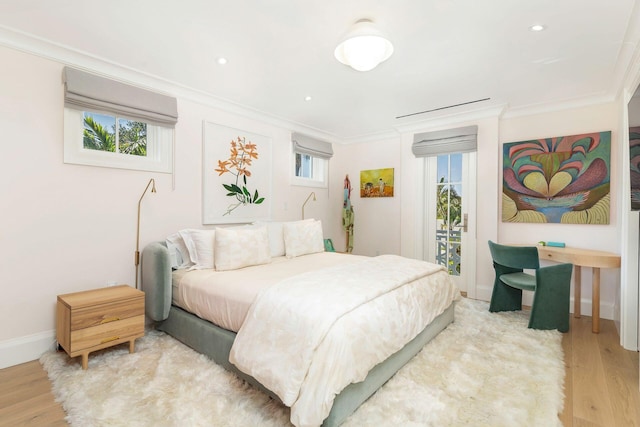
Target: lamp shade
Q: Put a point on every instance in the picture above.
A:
(364, 47)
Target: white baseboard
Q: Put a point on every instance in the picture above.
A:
(606, 308)
(25, 349)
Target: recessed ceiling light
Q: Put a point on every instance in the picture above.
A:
(307, 98)
(537, 27)
(221, 60)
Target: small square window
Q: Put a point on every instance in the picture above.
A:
(310, 171)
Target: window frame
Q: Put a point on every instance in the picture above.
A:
(160, 141)
(319, 169)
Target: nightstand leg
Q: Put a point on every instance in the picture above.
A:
(132, 346)
(85, 361)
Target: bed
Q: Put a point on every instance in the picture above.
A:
(291, 263)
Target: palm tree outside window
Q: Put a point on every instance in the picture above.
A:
(114, 134)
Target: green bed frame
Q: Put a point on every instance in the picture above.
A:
(215, 342)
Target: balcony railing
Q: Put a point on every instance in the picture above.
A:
(448, 250)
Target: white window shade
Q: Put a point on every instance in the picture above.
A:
(313, 147)
(458, 140)
(88, 92)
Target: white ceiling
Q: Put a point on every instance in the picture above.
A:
(280, 51)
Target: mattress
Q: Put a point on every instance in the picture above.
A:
(224, 297)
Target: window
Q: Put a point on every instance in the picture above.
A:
(117, 135)
(311, 161)
(111, 124)
(100, 139)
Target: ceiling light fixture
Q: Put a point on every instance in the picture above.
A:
(364, 47)
(221, 60)
(537, 27)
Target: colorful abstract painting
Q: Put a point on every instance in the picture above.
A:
(634, 158)
(563, 179)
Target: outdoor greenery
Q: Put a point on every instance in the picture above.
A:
(448, 206)
(132, 136)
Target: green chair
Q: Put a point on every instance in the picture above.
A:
(551, 286)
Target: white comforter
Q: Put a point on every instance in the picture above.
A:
(308, 337)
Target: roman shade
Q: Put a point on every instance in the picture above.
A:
(313, 147)
(458, 140)
(88, 92)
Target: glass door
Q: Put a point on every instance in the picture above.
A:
(450, 214)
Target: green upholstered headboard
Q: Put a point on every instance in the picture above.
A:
(156, 280)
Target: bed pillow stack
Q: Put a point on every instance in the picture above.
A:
(199, 243)
(276, 238)
(230, 248)
(178, 252)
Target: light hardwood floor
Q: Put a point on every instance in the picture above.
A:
(601, 381)
(601, 384)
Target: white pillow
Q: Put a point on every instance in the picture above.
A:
(237, 247)
(178, 251)
(200, 246)
(276, 238)
(302, 238)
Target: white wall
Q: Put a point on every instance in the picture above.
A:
(377, 220)
(68, 228)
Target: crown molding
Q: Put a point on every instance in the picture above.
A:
(370, 137)
(568, 104)
(34, 45)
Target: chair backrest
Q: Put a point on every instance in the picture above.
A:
(521, 257)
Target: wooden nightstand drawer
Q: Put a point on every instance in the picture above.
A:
(92, 320)
(95, 338)
(106, 313)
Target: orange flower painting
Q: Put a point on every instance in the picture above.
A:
(242, 154)
(557, 180)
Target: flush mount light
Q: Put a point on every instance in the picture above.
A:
(364, 47)
(221, 60)
(307, 98)
(537, 27)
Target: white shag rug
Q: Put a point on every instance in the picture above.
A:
(485, 369)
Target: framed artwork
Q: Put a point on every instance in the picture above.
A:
(376, 183)
(564, 179)
(634, 161)
(236, 171)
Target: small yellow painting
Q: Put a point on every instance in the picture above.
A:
(376, 183)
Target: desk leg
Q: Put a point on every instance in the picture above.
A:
(577, 290)
(595, 307)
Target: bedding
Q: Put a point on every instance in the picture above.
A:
(309, 336)
(373, 333)
(224, 297)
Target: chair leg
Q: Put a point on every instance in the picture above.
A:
(505, 298)
(550, 309)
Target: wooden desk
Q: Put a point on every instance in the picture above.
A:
(583, 258)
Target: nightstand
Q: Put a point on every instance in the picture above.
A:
(88, 321)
